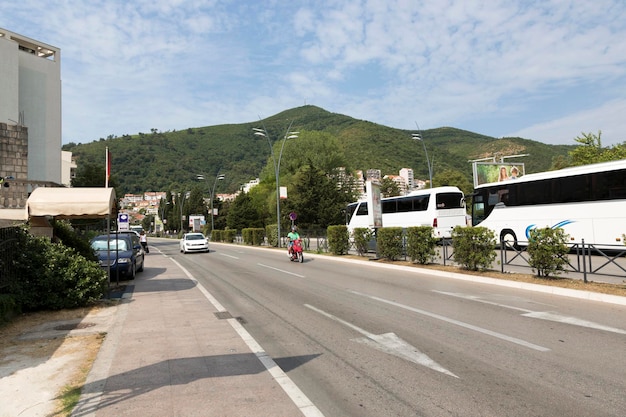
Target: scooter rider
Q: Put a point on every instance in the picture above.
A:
(293, 235)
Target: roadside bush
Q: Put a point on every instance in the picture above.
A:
(271, 231)
(473, 247)
(338, 239)
(362, 237)
(216, 235)
(253, 235)
(547, 249)
(67, 235)
(8, 308)
(420, 244)
(389, 241)
(228, 235)
(52, 276)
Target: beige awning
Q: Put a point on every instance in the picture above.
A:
(70, 203)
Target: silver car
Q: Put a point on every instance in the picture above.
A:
(194, 242)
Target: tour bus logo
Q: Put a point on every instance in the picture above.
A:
(556, 226)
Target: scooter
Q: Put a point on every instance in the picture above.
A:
(296, 251)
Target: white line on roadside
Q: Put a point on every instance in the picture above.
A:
(304, 404)
(281, 270)
(228, 256)
(457, 322)
(542, 315)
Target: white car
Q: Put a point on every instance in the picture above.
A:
(194, 242)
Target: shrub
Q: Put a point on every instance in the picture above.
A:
(52, 276)
(362, 237)
(253, 235)
(271, 231)
(389, 241)
(473, 247)
(547, 250)
(420, 244)
(216, 235)
(228, 235)
(338, 239)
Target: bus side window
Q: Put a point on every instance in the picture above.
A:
(362, 210)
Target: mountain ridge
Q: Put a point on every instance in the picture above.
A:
(162, 161)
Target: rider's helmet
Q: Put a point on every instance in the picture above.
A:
(293, 228)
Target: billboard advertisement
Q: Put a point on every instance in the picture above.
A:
(375, 213)
(485, 172)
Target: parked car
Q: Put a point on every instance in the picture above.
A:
(121, 251)
(194, 242)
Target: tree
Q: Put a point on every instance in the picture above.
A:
(454, 178)
(389, 188)
(243, 213)
(317, 199)
(591, 151)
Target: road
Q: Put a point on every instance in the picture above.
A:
(362, 340)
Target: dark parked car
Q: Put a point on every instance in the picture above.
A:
(123, 252)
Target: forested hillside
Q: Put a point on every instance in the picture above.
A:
(171, 161)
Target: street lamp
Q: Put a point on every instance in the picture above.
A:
(288, 135)
(418, 136)
(218, 177)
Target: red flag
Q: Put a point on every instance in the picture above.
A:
(108, 168)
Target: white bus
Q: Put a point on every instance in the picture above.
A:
(588, 202)
(442, 208)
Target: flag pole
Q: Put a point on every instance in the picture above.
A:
(107, 169)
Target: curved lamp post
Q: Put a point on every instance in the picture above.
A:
(288, 135)
(218, 177)
(418, 136)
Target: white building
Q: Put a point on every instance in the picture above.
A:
(30, 96)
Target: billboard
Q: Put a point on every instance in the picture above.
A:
(375, 213)
(485, 172)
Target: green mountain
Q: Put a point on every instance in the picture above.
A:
(162, 161)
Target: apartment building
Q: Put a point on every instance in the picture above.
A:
(30, 101)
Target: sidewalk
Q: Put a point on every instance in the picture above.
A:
(169, 354)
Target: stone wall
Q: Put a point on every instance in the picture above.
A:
(13, 163)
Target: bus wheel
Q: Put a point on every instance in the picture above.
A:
(509, 240)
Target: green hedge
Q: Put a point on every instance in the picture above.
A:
(420, 244)
(253, 236)
(338, 239)
(362, 237)
(474, 247)
(389, 241)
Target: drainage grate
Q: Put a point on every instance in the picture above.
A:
(223, 315)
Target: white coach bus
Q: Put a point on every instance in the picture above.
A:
(588, 202)
(442, 208)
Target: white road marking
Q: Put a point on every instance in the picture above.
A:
(542, 315)
(281, 270)
(304, 404)
(547, 315)
(389, 343)
(458, 323)
(229, 256)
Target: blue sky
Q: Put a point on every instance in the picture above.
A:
(544, 70)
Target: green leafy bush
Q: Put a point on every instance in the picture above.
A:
(420, 244)
(389, 241)
(338, 239)
(53, 276)
(271, 231)
(362, 237)
(216, 235)
(547, 249)
(253, 235)
(473, 247)
(228, 235)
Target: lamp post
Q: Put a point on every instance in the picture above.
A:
(418, 136)
(163, 212)
(218, 177)
(288, 135)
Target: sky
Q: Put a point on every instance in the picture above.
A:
(547, 70)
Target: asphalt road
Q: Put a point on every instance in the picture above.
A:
(362, 340)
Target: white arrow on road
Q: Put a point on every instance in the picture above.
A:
(389, 343)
